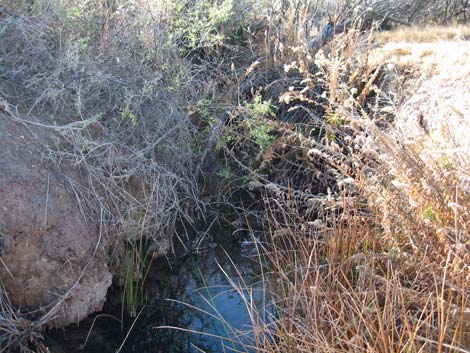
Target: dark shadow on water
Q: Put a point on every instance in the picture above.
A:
(105, 336)
(195, 293)
(202, 296)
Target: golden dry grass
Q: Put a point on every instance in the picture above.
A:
(348, 288)
(424, 34)
(385, 268)
(435, 118)
(447, 58)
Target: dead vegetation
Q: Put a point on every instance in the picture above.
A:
(117, 121)
(425, 34)
(368, 223)
(116, 110)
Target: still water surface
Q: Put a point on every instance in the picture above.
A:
(206, 294)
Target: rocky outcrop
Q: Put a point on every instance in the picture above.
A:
(47, 249)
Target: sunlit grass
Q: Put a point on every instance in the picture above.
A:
(424, 34)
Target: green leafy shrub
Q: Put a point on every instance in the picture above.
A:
(255, 115)
(197, 25)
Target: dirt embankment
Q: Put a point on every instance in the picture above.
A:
(50, 255)
(435, 118)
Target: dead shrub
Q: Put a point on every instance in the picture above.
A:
(114, 90)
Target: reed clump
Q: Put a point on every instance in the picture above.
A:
(379, 260)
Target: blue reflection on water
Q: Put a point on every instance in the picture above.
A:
(210, 296)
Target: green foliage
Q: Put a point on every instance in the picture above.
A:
(334, 120)
(128, 115)
(446, 163)
(136, 261)
(430, 214)
(261, 133)
(331, 136)
(260, 107)
(259, 129)
(225, 172)
(201, 108)
(228, 138)
(200, 24)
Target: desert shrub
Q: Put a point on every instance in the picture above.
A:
(198, 25)
(113, 87)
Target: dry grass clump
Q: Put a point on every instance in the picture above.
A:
(379, 262)
(424, 34)
(339, 285)
(16, 333)
(426, 59)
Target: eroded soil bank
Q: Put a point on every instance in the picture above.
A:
(53, 261)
